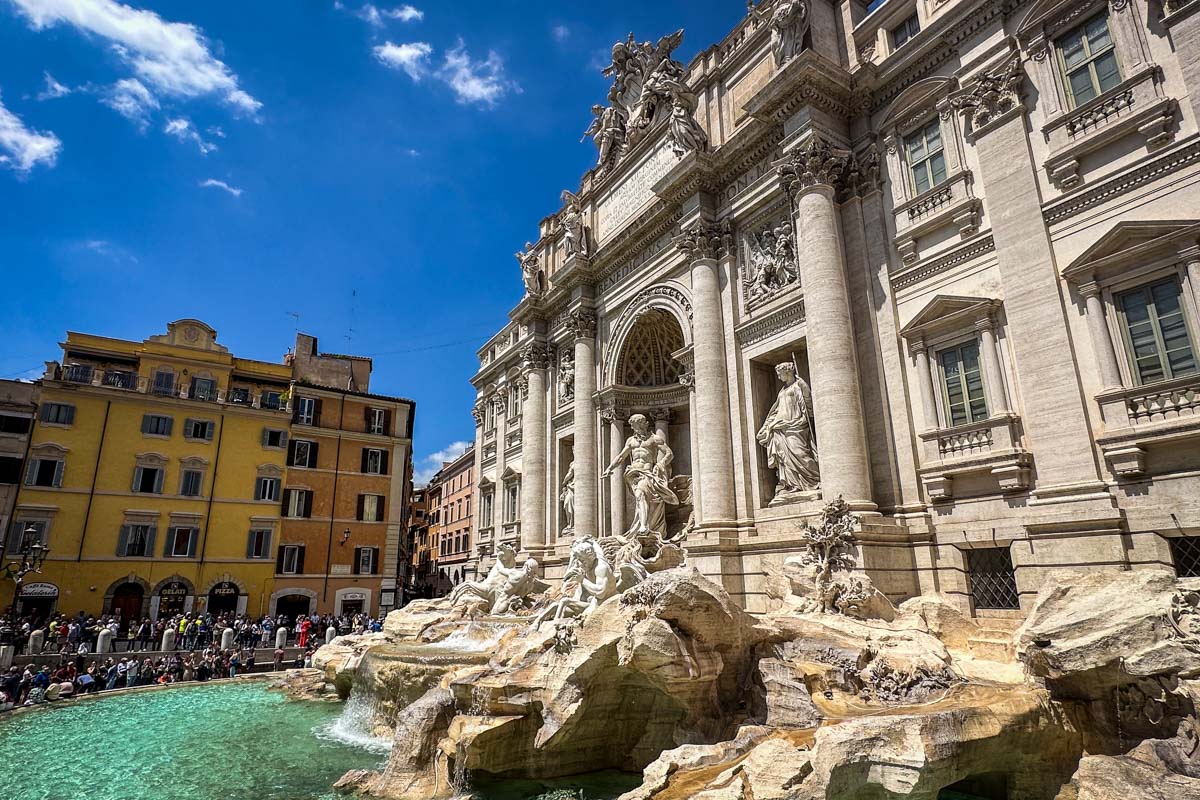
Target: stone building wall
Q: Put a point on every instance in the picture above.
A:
(910, 221)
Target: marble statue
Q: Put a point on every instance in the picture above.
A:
(787, 436)
(506, 588)
(566, 378)
(594, 579)
(576, 239)
(608, 132)
(789, 23)
(531, 271)
(566, 496)
(648, 477)
(685, 132)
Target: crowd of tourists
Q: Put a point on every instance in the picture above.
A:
(198, 654)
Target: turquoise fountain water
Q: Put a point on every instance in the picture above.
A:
(215, 742)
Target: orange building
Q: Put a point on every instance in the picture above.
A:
(456, 529)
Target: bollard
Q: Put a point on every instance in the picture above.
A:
(168, 642)
(104, 642)
(7, 653)
(281, 637)
(330, 634)
(37, 640)
(227, 639)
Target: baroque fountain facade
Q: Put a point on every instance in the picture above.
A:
(819, 459)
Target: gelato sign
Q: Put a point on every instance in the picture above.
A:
(39, 590)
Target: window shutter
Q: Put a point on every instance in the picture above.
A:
(362, 503)
(380, 504)
(192, 542)
(286, 495)
(158, 480)
(283, 438)
(70, 415)
(317, 412)
(363, 466)
(209, 430)
(300, 561)
(374, 560)
(368, 416)
(357, 560)
(291, 458)
(168, 544)
(279, 561)
(265, 434)
(31, 472)
(383, 462)
(151, 535)
(312, 454)
(170, 426)
(266, 548)
(46, 413)
(250, 545)
(14, 536)
(308, 504)
(137, 478)
(187, 426)
(123, 540)
(59, 468)
(387, 422)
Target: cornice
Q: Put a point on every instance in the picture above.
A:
(807, 80)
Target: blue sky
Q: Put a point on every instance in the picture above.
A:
(369, 167)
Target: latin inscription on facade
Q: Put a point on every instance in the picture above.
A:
(620, 203)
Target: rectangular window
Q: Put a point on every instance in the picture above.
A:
(58, 414)
(512, 505)
(370, 507)
(258, 544)
(138, 541)
(306, 411)
(204, 389)
(157, 425)
(11, 424)
(926, 159)
(486, 514)
(179, 542)
(962, 382)
(291, 559)
(304, 454)
(189, 486)
(364, 561)
(266, 489)
(44, 472)
(905, 31)
(1088, 59)
(274, 438)
(78, 373)
(199, 429)
(271, 400)
(993, 581)
(164, 382)
(1156, 333)
(299, 504)
(10, 470)
(25, 534)
(148, 480)
(377, 421)
(374, 462)
(239, 396)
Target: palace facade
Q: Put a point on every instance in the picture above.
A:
(968, 229)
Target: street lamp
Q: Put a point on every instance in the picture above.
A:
(32, 560)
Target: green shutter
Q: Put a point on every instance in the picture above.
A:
(123, 541)
(383, 462)
(31, 472)
(14, 535)
(279, 561)
(137, 478)
(362, 505)
(70, 420)
(357, 560)
(250, 544)
(312, 454)
(300, 561)
(151, 535)
(170, 540)
(265, 433)
(191, 552)
(158, 480)
(374, 560)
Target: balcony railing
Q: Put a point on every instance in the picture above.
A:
(988, 446)
(78, 373)
(120, 379)
(1140, 406)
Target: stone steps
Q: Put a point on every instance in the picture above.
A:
(993, 646)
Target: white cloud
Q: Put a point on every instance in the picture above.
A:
(412, 57)
(377, 17)
(105, 248)
(21, 148)
(130, 98)
(53, 90)
(475, 81)
(561, 33)
(171, 59)
(430, 464)
(213, 183)
(183, 130)
(407, 13)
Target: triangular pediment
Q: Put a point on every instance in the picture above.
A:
(510, 474)
(947, 310)
(1128, 241)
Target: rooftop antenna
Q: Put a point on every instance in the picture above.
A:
(350, 327)
(295, 315)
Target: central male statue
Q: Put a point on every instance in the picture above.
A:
(648, 477)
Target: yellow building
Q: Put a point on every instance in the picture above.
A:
(154, 476)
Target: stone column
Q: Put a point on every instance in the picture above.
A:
(582, 324)
(809, 176)
(713, 462)
(928, 389)
(535, 361)
(993, 375)
(616, 482)
(661, 417)
(1191, 256)
(1106, 353)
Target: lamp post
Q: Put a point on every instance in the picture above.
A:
(32, 560)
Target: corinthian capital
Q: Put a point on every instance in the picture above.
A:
(701, 240)
(535, 356)
(815, 163)
(477, 411)
(581, 323)
(992, 95)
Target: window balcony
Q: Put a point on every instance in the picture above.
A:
(989, 447)
(1136, 417)
(950, 203)
(121, 379)
(79, 373)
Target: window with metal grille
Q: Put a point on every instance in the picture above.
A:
(992, 577)
(1185, 552)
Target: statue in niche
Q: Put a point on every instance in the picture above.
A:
(789, 23)
(771, 262)
(648, 477)
(531, 271)
(566, 496)
(505, 590)
(593, 578)
(787, 436)
(566, 378)
(576, 239)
